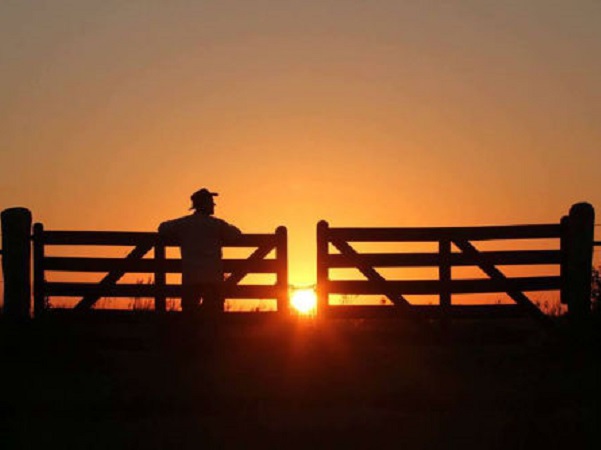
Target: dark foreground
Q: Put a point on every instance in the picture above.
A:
(165, 385)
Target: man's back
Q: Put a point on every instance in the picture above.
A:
(200, 237)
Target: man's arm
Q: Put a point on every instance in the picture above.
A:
(229, 233)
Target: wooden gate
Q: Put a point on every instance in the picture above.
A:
(141, 243)
(457, 247)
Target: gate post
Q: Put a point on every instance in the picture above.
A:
(281, 255)
(322, 268)
(579, 234)
(16, 262)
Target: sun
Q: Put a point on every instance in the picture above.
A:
(304, 301)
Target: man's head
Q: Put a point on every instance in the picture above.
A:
(202, 201)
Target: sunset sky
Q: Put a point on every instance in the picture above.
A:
(363, 113)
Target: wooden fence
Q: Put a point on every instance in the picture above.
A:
(157, 265)
(456, 248)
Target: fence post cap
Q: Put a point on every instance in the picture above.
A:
(582, 208)
(16, 210)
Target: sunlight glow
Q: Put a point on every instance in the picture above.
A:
(304, 301)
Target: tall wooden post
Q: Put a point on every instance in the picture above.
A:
(16, 262)
(281, 255)
(579, 260)
(322, 268)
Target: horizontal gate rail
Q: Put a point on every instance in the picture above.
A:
(433, 287)
(65, 289)
(437, 233)
(87, 264)
(124, 238)
(427, 312)
(504, 258)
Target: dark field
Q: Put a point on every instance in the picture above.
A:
(152, 384)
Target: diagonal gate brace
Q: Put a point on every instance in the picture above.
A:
(258, 254)
(113, 276)
(519, 297)
(372, 275)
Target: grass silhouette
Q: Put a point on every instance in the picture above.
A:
(289, 385)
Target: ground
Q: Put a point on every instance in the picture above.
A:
(299, 384)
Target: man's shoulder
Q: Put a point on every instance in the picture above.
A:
(228, 231)
(223, 222)
(182, 219)
(217, 220)
(174, 223)
(197, 220)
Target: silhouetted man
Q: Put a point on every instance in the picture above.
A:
(201, 237)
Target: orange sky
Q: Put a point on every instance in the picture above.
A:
(363, 113)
